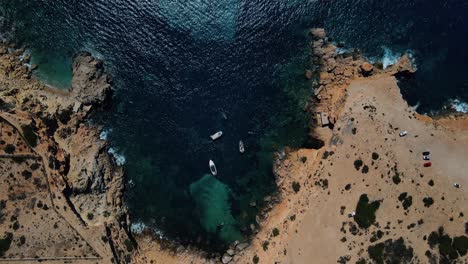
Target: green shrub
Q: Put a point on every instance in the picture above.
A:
(265, 245)
(16, 225)
(365, 169)
(365, 211)
(128, 245)
(396, 178)
(29, 135)
(296, 187)
(461, 244)
(26, 174)
(10, 149)
(428, 201)
(22, 240)
(65, 115)
(256, 259)
(275, 232)
(357, 164)
(90, 216)
(375, 156)
(5, 243)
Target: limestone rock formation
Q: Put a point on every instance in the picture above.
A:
(82, 175)
(90, 84)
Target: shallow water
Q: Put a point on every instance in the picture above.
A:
(180, 66)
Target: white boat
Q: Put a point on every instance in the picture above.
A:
(216, 135)
(213, 169)
(241, 146)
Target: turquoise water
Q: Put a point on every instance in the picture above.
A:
(54, 70)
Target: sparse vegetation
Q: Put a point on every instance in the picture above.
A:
(358, 164)
(428, 201)
(22, 240)
(35, 166)
(391, 252)
(129, 245)
(365, 211)
(255, 259)
(275, 232)
(16, 225)
(65, 115)
(365, 169)
(10, 149)
(26, 174)
(303, 159)
(376, 236)
(375, 156)
(5, 243)
(29, 135)
(406, 200)
(396, 176)
(327, 154)
(296, 186)
(90, 216)
(449, 249)
(265, 245)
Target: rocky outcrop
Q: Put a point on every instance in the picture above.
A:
(90, 84)
(76, 160)
(334, 72)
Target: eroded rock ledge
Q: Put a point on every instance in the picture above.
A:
(82, 175)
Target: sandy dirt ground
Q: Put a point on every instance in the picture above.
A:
(370, 122)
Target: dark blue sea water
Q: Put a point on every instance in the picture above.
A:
(179, 66)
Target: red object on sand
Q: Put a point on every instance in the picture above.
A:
(427, 164)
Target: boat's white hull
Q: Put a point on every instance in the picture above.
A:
(216, 135)
(241, 147)
(213, 169)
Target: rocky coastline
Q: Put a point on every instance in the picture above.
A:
(83, 177)
(77, 163)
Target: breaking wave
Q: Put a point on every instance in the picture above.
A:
(459, 106)
(119, 158)
(104, 134)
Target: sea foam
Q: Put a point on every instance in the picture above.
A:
(119, 158)
(104, 134)
(459, 106)
(391, 57)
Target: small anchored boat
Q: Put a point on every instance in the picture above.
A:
(216, 135)
(241, 146)
(213, 169)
